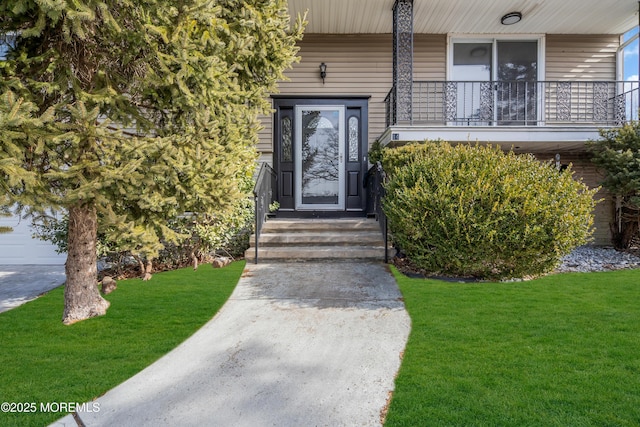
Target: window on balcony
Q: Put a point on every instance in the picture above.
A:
(493, 82)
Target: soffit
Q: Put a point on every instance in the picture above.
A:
(471, 16)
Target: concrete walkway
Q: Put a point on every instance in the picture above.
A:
(23, 283)
(298, 344)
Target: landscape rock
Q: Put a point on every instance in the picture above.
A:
(108, 285)
(220, 262)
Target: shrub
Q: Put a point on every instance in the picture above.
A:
(202, 237)
(476, 211)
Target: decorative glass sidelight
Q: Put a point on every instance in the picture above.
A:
(319, 152)
(354, 139)
(287, 138)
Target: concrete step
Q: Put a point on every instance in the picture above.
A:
(316, 253)
(317, 238)
(323, 225)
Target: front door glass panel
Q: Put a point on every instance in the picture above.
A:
(320, 157)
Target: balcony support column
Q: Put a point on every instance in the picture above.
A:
(401, 101)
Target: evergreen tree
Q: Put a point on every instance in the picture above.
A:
(144, 110)
(15, 116)
(617, 153)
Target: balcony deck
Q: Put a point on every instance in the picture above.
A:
(542, 113)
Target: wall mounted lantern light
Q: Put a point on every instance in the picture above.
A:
(511, 18)
(323, 71)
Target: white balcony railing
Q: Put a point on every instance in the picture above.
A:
(517, 103)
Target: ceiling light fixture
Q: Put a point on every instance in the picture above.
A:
(511, 18)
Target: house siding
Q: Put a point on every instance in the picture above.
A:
(265, 139)
(581, 57)
(429, 57)
(603, 212)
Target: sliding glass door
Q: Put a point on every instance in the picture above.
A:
(516, 77)
(493, 82)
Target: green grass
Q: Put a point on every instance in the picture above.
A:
(43, 361)
(563, 350)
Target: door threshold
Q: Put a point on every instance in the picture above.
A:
(320, 214)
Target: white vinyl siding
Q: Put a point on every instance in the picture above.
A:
(581, 57)
(429, 53)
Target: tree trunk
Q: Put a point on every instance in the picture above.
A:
(82, 299)
(629, 232)
(626, 227)
(146, 272)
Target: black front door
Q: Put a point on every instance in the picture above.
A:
(320, 155)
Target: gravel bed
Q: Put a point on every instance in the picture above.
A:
(593, 258)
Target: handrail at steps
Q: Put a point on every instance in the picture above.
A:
(263, 192)
(376, 179)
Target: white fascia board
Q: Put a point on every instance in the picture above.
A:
(490, 134)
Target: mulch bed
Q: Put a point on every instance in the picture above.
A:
(409, 269)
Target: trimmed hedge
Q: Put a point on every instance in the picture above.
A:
(476, 211)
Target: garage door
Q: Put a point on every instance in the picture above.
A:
(18, 247)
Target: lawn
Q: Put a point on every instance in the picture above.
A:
(563, 350)
(43, 361)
